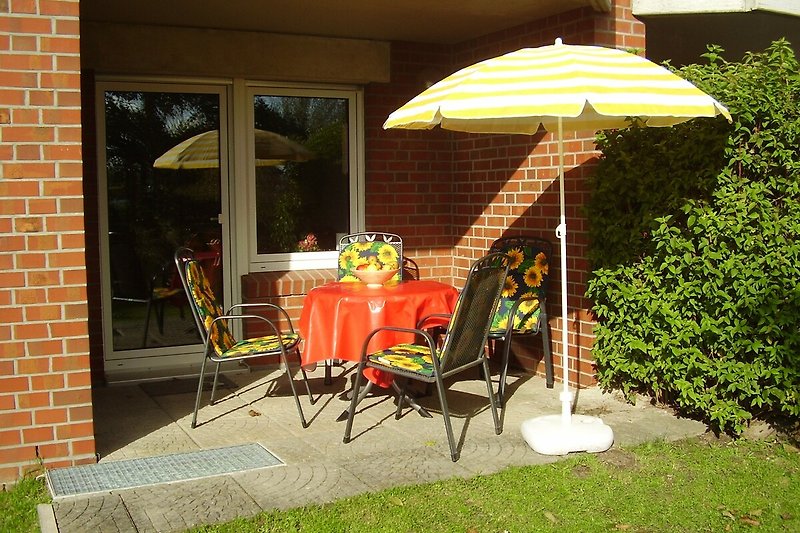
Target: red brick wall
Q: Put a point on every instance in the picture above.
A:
(409, 173)
(45, 387)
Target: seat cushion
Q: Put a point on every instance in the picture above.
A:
(406, 357)
(261, 345)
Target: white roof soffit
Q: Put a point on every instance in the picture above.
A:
(678, 7)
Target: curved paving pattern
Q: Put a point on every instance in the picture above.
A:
(319, 468)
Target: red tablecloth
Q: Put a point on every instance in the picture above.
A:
(337, 317)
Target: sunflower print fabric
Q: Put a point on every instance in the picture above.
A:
(381, 255)
(221, 338)
(527, 270)
(208, 308)
(261, 345)
(407, 357)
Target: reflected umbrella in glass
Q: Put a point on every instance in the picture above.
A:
(202, 151)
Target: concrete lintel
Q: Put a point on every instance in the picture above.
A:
(675, 7)
(164, 50)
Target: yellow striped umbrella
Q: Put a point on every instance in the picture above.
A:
(202, 151)
(558, 87)
(587, 87)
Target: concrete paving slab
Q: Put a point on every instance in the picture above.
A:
(320, 468)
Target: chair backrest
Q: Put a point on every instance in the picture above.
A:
(469, 326)
(528, 276)
(410, 268)
(205, 306)
(381, 248)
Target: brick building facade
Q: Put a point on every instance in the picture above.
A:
(449, 195)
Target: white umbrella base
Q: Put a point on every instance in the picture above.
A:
(552, 435)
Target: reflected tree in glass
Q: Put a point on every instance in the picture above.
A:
(153, 211)
(295, 199)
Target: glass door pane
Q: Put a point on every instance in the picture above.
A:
(162, 167)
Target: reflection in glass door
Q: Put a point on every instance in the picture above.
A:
(161, 191)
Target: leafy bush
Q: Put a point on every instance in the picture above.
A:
(695, 252)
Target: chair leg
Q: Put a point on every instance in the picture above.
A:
(199, 392)
(548, 356)
(288, 373)
(353, 402)
(498, 428)
(400, 397)
(501, 388)
(214, 385)
(308, 387)
(160, 316)
(147, 322)
(448, 426)
(305, 377)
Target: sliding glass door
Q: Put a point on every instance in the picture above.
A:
(163, 162)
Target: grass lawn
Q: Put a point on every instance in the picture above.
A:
(18, 505)
(695, 485)
(690, 486)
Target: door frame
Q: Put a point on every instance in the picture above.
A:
(150, 363)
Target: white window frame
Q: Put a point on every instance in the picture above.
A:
(305, 260)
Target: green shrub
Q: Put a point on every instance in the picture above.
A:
(696, 260)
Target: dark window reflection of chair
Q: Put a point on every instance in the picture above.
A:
(410, 269)
(463, 348)
(130, 284)
(523, 298)
(219, 345)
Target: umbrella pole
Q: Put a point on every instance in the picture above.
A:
(565, 433)
(561, 234)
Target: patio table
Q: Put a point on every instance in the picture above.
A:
(338, 316)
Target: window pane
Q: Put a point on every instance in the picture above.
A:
(302, 175)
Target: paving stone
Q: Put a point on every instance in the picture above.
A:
(179, 506)
(290, 486)
(103, 513)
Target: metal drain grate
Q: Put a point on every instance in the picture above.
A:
(131, 473)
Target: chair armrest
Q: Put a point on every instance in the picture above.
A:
(275, 329)
(274, 307)
(424, 334)
(445, 316)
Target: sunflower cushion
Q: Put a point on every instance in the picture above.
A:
(222, 340)
(406, 357)
(526, 272)
(208, 308)
(261, 345)
(383, 255)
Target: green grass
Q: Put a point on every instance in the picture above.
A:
(696, 485)
(691, 486)
(18, 505)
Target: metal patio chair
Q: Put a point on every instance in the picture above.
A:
(219, 345)
(463, 348)
(523, 298)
